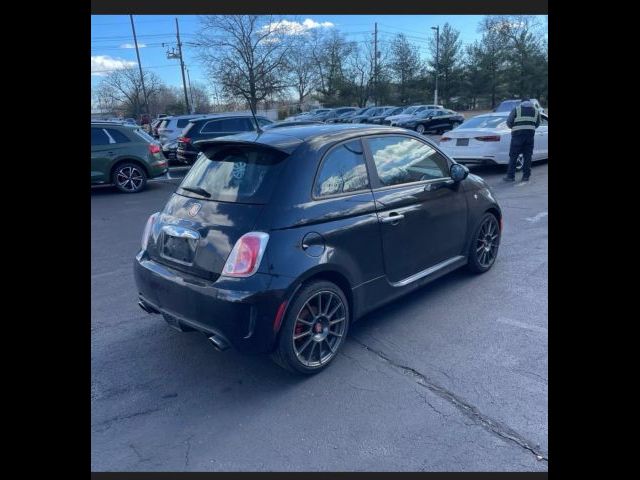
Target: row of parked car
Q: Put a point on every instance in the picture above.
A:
(125, 155)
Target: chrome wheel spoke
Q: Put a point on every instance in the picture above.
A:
(302, 335)
(337, 320)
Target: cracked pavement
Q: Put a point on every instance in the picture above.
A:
(452, 377)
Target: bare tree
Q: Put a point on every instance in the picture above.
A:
(246, 54)
(303, 74)
(329, 53)
(122, 89)
(200, 98)
(360, 73)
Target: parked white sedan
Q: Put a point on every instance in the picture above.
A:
(485, 140)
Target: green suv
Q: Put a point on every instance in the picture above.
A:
(125, 156)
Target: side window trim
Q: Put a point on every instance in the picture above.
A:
(376, 184)
(111, 140)
(321, 164)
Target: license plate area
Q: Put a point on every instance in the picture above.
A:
(179, 244)
(462, 142)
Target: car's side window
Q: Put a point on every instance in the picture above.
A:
(399, 159)
(117, 136)
(99, 137)
(343, 170)
(228, 125)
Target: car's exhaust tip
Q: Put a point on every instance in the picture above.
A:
(147, 308)
(218, 342)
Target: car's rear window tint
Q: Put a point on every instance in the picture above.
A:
(239, 174)
(183, 122)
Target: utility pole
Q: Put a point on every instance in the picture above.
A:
(375, 64)
(190, 90)
(435, 93)
(184, 82)
(135, 40)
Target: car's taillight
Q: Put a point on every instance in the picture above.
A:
(184, 139)
(154, 148)
(445, 139)
(489, 138)
(246, 255)
(147, 230)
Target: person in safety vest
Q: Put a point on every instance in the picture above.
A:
(523, 121)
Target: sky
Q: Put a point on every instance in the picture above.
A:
(112, 44)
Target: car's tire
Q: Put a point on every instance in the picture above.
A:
(484, 244)
(420, 129)
(318, 317)
(129, 177)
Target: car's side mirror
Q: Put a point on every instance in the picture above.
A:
(458, 172)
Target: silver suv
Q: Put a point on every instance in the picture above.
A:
(170, 128)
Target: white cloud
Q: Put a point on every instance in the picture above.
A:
(101, 63)
(132, 45)
(288, 27)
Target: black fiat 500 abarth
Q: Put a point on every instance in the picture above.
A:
(276, 242)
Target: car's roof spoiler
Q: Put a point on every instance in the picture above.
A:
(279, 143)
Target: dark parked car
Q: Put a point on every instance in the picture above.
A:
(277, 242)
(290, 123)
(125, 156)
(332, 114)
(368, 113)
(213, 126)
(387, 112)
(345, 116)
(432, 121)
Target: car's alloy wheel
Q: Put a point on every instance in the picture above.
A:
(484, 244)
(319, 329)
(420, 129)
(129, 178)
(519, 162)
(314, 328)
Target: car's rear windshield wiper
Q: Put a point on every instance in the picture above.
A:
(198, 190)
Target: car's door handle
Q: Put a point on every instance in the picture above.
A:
(429, 187)
(393, 218)
(111, 154)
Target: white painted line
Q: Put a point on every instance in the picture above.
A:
(536, 217)
(526, 326)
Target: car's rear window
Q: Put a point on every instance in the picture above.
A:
(163, 124)
(238, 174)
(507, 106)
(183, 122)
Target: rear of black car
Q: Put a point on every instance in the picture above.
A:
(209, 128)
(201, 265)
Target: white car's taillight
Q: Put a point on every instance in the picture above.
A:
(246, 255)
(147, 230)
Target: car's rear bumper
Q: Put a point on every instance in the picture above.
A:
(241, 311)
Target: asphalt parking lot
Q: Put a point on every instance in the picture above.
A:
(451, 378)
